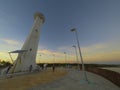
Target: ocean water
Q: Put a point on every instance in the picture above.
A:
(116, 69)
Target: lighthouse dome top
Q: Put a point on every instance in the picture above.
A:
(40, 15)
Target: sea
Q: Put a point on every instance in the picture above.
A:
(116, 69)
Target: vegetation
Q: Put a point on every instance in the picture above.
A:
(4, 64)
(7, 63)
(74, 65)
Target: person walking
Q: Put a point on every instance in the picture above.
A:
(53, 67)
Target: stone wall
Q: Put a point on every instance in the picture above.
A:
(110, 75)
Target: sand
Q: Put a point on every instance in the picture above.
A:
(24, 82)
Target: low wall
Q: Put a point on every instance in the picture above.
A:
(110, 75)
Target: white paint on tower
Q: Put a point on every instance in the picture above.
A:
(27, 59)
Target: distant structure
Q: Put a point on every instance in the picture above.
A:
(26, 60)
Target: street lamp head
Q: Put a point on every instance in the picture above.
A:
(74, 46)
(74, 29)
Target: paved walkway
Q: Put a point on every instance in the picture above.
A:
(74, 81)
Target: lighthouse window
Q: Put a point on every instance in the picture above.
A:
(36, 30)
(30, 49)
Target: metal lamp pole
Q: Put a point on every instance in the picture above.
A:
(39, 59)
(53, 58)
(83, 67)
(65, 59)
(76, 54)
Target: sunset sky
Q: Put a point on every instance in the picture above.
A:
(97, 23)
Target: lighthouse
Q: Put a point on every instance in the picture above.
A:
(26, 60)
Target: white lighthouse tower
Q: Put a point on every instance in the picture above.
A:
(26, 59)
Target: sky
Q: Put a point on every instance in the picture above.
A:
(96, 21)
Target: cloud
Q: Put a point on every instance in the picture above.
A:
(101, 52)
(68, 49)
(45, 52)
(11, 42)
(7, 45)
(98, 52)
(49, 52)
(95, 47)
(5, 56)
(102, 57)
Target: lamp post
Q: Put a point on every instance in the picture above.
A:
(53, 59)
(83, 67)
(39, 59)
(65, 59)
(76, 55)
